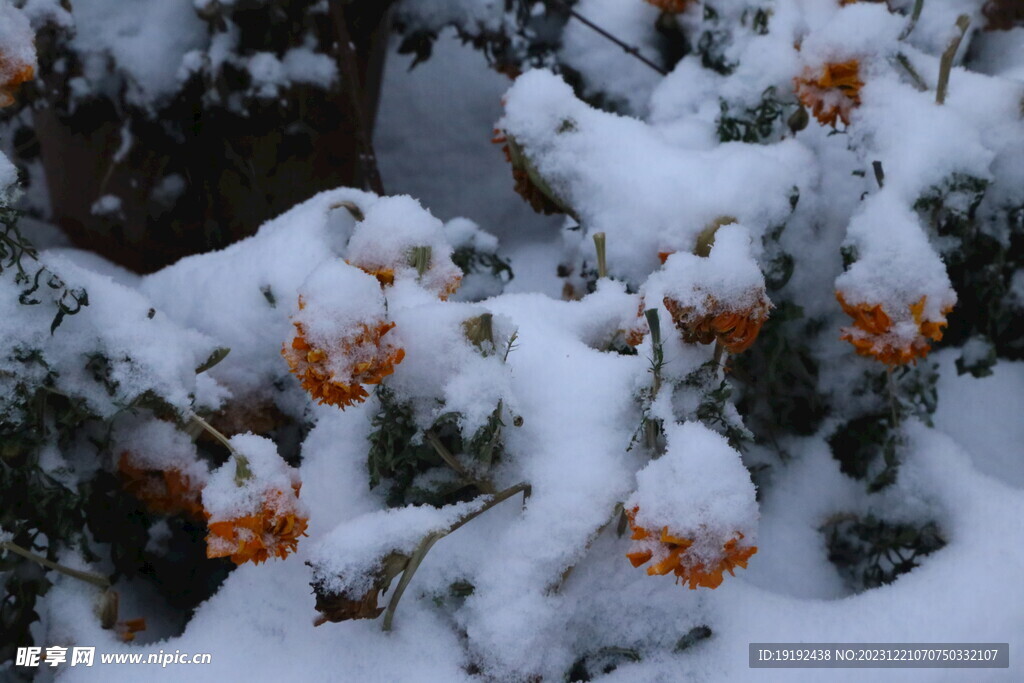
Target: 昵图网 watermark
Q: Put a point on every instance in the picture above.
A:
(86, 656)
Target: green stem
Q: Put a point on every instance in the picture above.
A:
(430, 539)
(88, 577)
(654, 323)
(890, 383)
(915, 77)
(915, 14)
(421, 259)
(652, 426)
(602, 263)
(946, 62)
(435, 441)
(243, 472)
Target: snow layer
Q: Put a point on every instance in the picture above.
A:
(148, 41)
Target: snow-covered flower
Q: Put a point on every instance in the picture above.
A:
(669, 552)
(719, 297)
(17, 52)
(399, 240)
(339, 342)
(159, 466)
(832, 94)
(876, 335)
(167, 491)
(694, 512)
(252, 504)
(528, 184)
(338, 601)
(716, 321)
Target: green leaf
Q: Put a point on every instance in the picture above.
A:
(219, 354)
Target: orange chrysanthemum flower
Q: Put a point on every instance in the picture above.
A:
(372, 362)
(272, 531)
(736, 330)
(670, 6)
(165, 492)
(12, 74)
(833, 94)
(673, 557)
(873, 333)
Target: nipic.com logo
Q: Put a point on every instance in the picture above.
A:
(86, 656)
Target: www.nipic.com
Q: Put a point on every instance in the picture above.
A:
(86, 656)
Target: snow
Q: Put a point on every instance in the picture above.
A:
(107, 205)
(627, 83)
(305, 66)
(158, 445)
(146, 353)
(230, 494)
(612, 168)
(347, 558)
(444, 372)
(334, 299)
(148, 43)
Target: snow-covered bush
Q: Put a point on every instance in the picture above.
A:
(776, 215)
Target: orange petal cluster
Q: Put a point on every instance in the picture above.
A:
(12, 74)
(272, 531)
(164, 492)
(736, 330)
(311, 364)
(670, 6)
(386, 277)
(636, 333)
(871, 332)
(833, 94)
(127, 629)
(675, 557)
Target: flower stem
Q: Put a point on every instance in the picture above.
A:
(602, 262)
(435, 441)
(915, 77)
(890, 383)
(430, 539)
(946, 63)
(95, 579)
(658, 359)
(720, 358)
(652, 425)
(421, 259)
(242, 470)
(915, 14)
